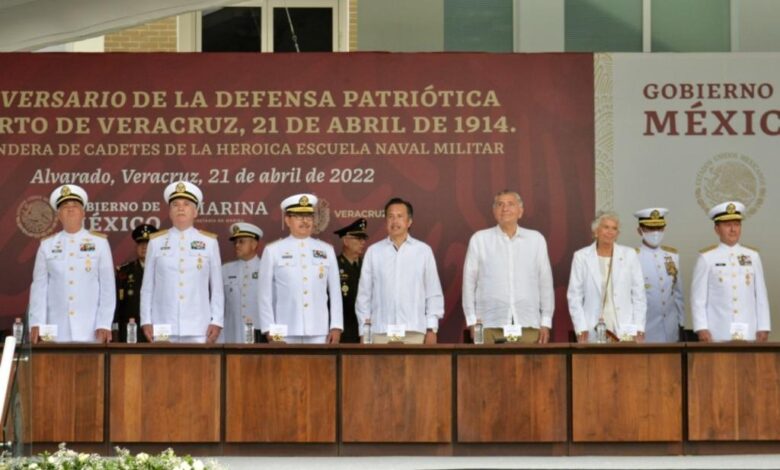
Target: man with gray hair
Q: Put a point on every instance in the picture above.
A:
(507, 279)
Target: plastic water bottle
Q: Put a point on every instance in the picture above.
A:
(18, 330)
(249, 331)
(368, 337)
(132, 331)
(601, 331)
(479, 332)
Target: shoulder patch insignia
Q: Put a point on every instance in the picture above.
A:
(709, 248)
(158, 234)
(123, 266)
(208, 234)
(98, 234)
(670, 249)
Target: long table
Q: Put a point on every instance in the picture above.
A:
(557, 399)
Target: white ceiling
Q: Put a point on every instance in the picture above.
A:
(33, 24)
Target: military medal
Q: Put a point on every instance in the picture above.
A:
(747, 279)
(88, 265)
(344, 289)
(671, 269)
(200, 263)
(130, 292)
(322, 272)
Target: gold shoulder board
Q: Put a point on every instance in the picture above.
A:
(98, 234)
(157, 234)
(709, 248)
(208, 234)
(670, 249)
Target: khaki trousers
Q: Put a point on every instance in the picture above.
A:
(530, 335)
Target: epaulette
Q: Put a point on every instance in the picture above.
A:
(274, 242)
(122, 266)
(709, 248)
(208, 234)
(751, 248)
(98, 234)
(157, 234)
(670, 249)
(637, 249)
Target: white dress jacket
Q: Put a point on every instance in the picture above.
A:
(585, 296)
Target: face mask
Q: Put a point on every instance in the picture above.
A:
(653, 238)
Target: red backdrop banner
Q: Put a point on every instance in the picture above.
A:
(444, 131)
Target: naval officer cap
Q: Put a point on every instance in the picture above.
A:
(356, 229)
(299, 204)
(142, 232)
(245, 230)
(652, 217)
(183, 190)
(725, 211)
(68, 192)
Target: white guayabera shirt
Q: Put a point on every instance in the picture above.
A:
(399, 287)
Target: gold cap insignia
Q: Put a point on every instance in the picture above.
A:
(236, 229)
(65, 191)
(731, 208)
(180, 188)
(303, 201)
(655, 215)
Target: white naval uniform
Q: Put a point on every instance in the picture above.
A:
(297, 278)
(73, 285)
(241, 281)
(182, 268)
(585, 290)
(728, 286)
(663, 288)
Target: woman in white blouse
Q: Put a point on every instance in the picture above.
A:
(606, 282)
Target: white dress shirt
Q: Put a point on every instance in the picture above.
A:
(241, 281)
(508, 280)
(297, 278)
(585, 293)
(73, 285)
(182, 268)
(728, 287)
(663, 288)
(399, 286)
